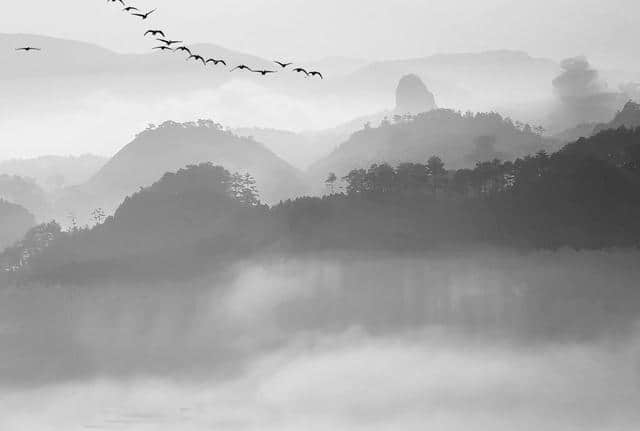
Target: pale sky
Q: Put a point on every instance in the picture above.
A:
(606, 31)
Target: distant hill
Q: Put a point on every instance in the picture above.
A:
(628, 117)
(573, 134)
(180, 221)
(68, 57)
(448, 134)
(26, 193)
(54, 172)
(298, 149)
(15, 221)
(335, 67)
(172, 146)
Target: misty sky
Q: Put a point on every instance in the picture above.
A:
(605, 31)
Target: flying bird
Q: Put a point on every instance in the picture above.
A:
(169, 42)
(28, 48)
(315, 73)
(184, 49)
(282, 65)
(155, 33)
(197, 58)
(264, 72)
(144, 15)
(130, 8)
(215, 62)
(242, 67)
(301, 70)
(162, 48)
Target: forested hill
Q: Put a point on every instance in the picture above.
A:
(584, 196)
(460, 139)
(171, 146)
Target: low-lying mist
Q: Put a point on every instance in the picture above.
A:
(482, 340)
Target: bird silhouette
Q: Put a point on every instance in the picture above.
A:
(169, 42)
(242, 67)
(215, 62)
(184, 49)
(162, 48)
(144, 15)
(282, 65)
(264, 72)
(301, 70)
(28, 48)
(155, 33)
(197, 57)
(130, 8)
(316, 73)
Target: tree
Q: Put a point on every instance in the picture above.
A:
(331, 182)
(355, 181)
(98, 216)
(412, 177)
(437, 172)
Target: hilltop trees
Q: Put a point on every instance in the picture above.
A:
(405, 178)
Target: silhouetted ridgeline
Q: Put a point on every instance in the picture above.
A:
(584, 196)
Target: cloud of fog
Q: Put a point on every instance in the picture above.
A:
(228, 352)
(578, 79)
(583, 96)
(355, 382)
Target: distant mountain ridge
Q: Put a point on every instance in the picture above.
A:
(53, 172)
(70, 57)
(464, 80)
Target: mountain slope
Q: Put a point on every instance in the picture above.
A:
(172, 146)
(454, 137)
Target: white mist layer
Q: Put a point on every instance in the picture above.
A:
(103, 122)
(356, 382)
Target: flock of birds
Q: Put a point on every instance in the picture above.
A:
(166, 44)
